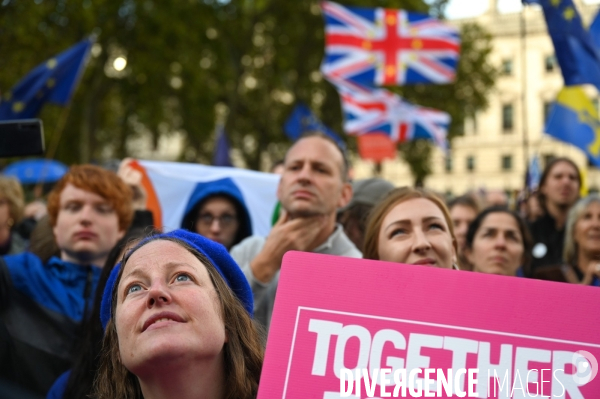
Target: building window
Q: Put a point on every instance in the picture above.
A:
(507, 117)
(507, 67)
(547, 107)
(470, 163)
(550, 63)
(448, 165)
(506, 162)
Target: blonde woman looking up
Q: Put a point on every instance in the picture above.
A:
(411, 226)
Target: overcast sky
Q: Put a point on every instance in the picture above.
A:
(471, 8)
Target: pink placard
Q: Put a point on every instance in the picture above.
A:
(334, 313)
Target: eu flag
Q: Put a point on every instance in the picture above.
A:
(577, 56)
(595, 31)
(304, 120)
(573, 119)
(52, 81)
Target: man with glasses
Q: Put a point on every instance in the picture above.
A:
(216, 210)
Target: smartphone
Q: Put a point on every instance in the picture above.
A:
(19, 138)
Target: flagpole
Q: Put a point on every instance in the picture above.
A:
(60, 127)
(523, 33)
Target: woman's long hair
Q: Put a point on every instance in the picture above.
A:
(81, 379)
(243, 353)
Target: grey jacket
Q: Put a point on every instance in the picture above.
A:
(264, 293)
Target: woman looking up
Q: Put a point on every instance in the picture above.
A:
(412, 226)
(177, 316)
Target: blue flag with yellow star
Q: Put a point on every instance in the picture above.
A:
(52, 81)
(577, 56)
(574, 119)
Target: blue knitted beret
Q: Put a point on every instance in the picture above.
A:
(216, 254)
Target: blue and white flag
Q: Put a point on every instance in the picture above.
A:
(170, 185)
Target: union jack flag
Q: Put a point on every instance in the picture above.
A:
(380, 46)
(368, 110)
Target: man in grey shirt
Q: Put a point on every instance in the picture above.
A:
(312, 187)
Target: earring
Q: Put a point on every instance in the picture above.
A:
(455, 266)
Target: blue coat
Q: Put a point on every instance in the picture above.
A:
(41, 307)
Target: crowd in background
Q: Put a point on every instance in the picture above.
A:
(84, 279)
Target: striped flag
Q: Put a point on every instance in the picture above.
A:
(169, 186)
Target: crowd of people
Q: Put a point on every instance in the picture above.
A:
(95, 303)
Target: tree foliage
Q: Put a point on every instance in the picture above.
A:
(193, 63)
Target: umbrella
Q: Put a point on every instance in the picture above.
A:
(31, 171)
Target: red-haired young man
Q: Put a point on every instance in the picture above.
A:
(42, 304)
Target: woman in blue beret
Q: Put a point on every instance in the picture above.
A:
(177, 315)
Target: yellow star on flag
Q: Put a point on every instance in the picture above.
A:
(51, 63)
(417, 44)
(569, 13)
(18, 106)
(50, 83)
(390, 20)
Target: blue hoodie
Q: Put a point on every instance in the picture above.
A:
(225, 187)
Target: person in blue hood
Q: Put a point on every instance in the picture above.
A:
(217, 211)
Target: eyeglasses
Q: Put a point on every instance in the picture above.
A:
(225, 220)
